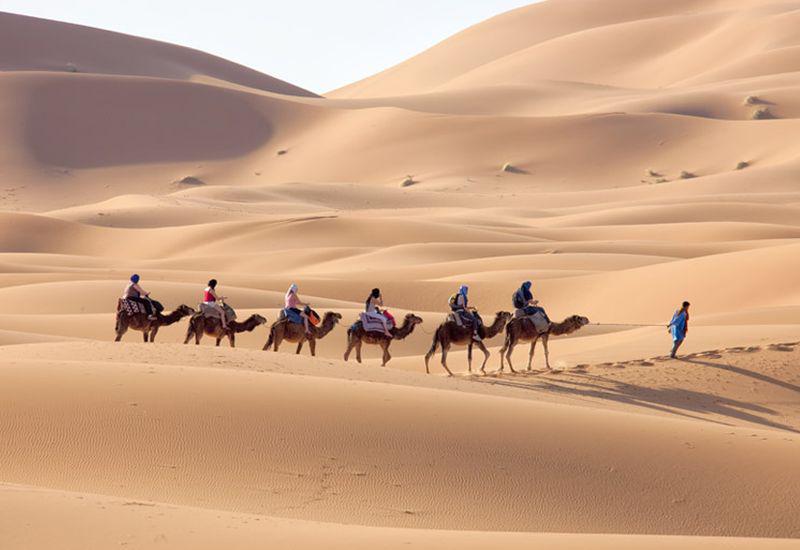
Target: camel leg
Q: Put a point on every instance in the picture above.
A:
(278, 340)
(269, 340)
(431, 351)
(511, 346)
(350, 346)
(530, 355)
(505, 352)
(122, 328)
(445, 349)
(197, 335)
(299, 347)
(469, 357)
(312, 346)
(358, 350)
(386, 356)
(232, 339)
(144, 336)
(153, 334)
(486, 355)
(545, 338)
(219, 339)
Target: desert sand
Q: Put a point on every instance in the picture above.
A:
(624, 155)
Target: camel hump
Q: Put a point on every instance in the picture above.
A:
(130, 307)
(539, 322)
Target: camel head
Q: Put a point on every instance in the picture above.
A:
(412, 319)
(185, 310)
(252, 322)
(579, 320)
(332, 315)
(505, 316)
(568, 325)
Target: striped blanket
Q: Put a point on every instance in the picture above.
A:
(372, 322)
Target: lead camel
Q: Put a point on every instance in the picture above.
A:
(522, 330)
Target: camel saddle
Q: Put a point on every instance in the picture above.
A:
(372, 322)
(129, 307)
(538, 319)
(463, 320)
(208, 310)
(292, 316)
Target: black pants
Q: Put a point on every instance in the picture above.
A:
(148, 307)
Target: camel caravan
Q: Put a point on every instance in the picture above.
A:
(299, 324)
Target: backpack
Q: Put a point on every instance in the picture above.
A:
(313, 316)
(453, 301)
(518, 299)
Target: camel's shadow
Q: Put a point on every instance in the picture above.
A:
(679, 401)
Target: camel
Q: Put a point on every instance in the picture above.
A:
(450, 333)
(282, 330)
(356, 336)
(148, 327)
(200, 324)
(522, 330)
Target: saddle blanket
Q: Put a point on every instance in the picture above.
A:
(129, 307)
(291, 315)
(461, 319)
(372, 322)
(538, 318)
(210, 310)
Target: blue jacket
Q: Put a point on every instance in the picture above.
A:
(678, 325)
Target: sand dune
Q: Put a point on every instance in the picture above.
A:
(32, 44)
(111, 521)
(417, 462)
(624, 155)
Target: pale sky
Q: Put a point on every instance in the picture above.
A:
(317, 44)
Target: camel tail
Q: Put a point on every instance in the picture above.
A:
(434, 344)
(270, 339)
(506, 343)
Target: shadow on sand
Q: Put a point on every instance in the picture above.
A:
(683, 402)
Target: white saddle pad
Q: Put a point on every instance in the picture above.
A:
(372, 322)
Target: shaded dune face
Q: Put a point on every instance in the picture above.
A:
(94, 122)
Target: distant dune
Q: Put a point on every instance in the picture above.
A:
(623, 155)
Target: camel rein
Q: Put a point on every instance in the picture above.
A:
(624, 325)
(422, 328)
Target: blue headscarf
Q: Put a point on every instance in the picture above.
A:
(134, 278)
(527, 285)
(463, 290)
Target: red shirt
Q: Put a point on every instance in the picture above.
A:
(208, 296)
